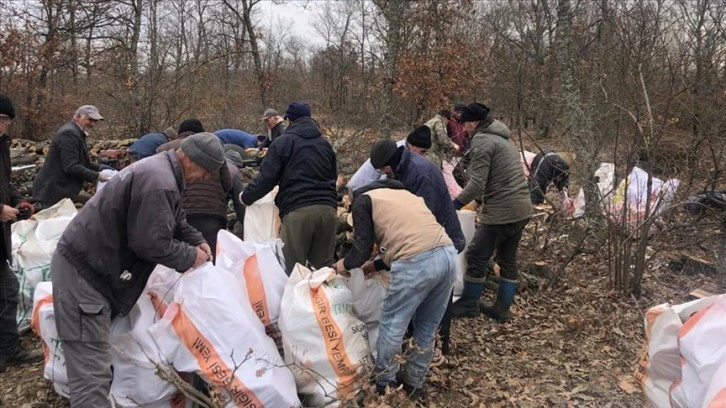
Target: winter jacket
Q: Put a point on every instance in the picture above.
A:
(236, 137)
(209, 196)
(302, 163)
(458, 135)
(496, 177)
(422, 178)
(366, 174)
(66, 166)
(133, 224)
(442, 148)
(147, 144)
(387, 214)
(547, 167)
(8, 195)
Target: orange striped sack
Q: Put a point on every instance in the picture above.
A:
(325, 344)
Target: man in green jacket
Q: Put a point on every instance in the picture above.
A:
(497, 180)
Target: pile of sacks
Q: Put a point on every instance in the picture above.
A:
(229, 323)
(684, 362)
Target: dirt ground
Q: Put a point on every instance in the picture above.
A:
(577, 344)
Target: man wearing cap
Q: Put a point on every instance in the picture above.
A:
(10, 351)
(417, 142)
(275, 126)
(302, 162)
(497, 180)
(107, 252)
(67, 164)
(147, 144)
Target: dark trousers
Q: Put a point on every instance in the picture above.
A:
(309, 236)
(209, 226)
(504, 239)
(9, 287)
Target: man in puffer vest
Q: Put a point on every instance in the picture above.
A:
(422, 259)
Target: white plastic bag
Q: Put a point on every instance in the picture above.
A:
(660, 364)
(258, 265)
(43, 323)
(605, 175)
(262, 219)
(211, 329)
(34, 242)
(701, 343)
(368, 295)
(135, 355)
(448, 172)
(467, 219)
(326, 346)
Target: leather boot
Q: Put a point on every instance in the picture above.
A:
(505, 296)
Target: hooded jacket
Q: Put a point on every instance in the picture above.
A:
(8, 195)
(496, 177)
(66, 166)
(302, 163)
(133, 224)
(422, 178)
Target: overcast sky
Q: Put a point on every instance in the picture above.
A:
(299, 14)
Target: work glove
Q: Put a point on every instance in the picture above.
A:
(103, 177)
(25, 210)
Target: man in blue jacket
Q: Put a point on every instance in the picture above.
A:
(147, 144)
(236, 137)
(422, 178)
(302, 162)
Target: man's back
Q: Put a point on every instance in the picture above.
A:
(147, 144)
(237, 137)
(303, 164)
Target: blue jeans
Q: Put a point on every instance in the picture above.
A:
(419, 290)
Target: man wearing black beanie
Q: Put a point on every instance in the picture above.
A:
(10, 200)
(497, 180)
(418, 142)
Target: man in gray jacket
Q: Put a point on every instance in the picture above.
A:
(107, 252)
(497, 179)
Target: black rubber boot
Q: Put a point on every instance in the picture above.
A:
(465, 308)
(499, 311)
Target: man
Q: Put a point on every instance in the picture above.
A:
(456, 131)
(422, 178)
(421, 258)
(236, 137)
(68, 164)
(107, 252)
(442, 147)
(547, 168)
(12, 208)
(275, 126)
(497, 179)
(302, 162)
(189, 127)
(417, 142)
(147, 144)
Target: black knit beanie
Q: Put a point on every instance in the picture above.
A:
(191, 125)
(381, 152)
(420, 137)
(6, 106)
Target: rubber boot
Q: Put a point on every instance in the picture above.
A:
(505, 296)
(467, 306)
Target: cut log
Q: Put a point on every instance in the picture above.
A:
(700, 294)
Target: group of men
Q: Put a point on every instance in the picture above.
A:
(148, 214)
